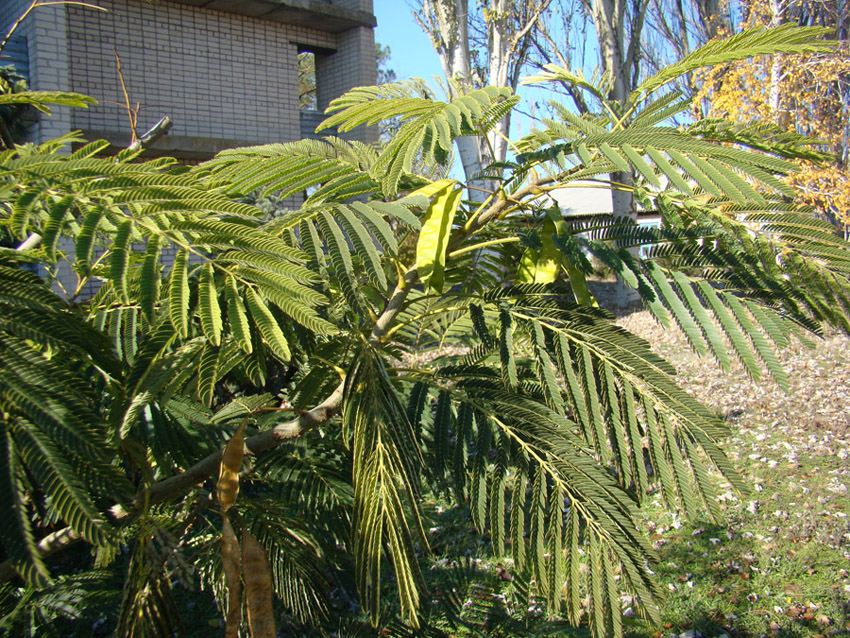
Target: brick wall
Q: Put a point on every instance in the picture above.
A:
(224, 79)
(218, 75)
(352, 65)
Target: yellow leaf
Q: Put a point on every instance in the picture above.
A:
(429, 190)
(527, 266)
(258, 587)
(541, 267)
(228, 476)
(436, 230)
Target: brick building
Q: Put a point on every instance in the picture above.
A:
(224, 71)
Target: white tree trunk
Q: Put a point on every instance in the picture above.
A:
(609, 20)
(506, 23)
(447, 24)
(500, 45)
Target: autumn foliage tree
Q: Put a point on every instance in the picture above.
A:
(808, 94)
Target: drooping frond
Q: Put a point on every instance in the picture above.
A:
(688, 162)
(385, 473)
(530, 472)
(52, 437)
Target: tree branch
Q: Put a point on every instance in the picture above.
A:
(48, 545)
(152, 136)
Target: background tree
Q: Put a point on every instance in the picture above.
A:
(560, 35)
(488, 46)
(807, 94)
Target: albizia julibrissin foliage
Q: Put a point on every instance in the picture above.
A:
(317, 340)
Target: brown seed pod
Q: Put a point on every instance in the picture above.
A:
(228, 476)
(231, 560)
(258, 587)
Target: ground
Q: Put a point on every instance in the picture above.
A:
(778, 565)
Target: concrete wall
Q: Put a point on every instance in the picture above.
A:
(357, 5)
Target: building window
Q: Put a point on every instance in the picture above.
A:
(307, 81)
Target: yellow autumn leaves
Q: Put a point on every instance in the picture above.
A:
(797, 92)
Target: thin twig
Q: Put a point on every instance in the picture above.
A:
(131, 114)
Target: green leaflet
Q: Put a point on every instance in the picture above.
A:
(150, 281)
(478, 486)
(208, 301)
(555, 549)
(237, 318)
(267, 324)
(436, 229)
(120, 260)
(537, 535)
(506, 349)
(517, 515)
(58, 210)
(178, 293)
(85, 240)
(207, 374)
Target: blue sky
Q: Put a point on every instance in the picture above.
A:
(411, 52)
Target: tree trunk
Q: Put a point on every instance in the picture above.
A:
(499, 41)
(507, 25)
(618, 62)
(447, 24)
(775, 65)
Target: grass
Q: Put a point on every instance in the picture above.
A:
(778, 564)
